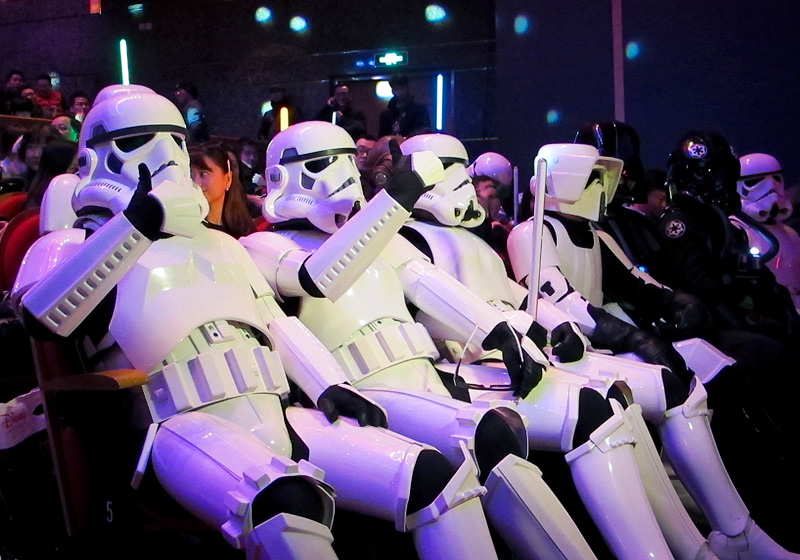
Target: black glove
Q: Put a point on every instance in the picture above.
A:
(538, 334)
(337, 400)
(684, 316)
(619, 337)
(405, 186)
(567, 344)
(525, 373)
(144, 212)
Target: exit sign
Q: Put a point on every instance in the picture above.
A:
(392, 58)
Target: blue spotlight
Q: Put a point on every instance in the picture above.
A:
(632, 50)
(263, 15)
(521, 25)
(434, 13)
(298, 24)
(553, 116)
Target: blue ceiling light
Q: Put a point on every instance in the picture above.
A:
(298, 24)
(521, 25)
(553, 116)
(263, 14)
(434, 13)
(632, 50)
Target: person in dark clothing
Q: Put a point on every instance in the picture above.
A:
(353, 120)
(403, 115)
(691, 247)
(186, 98)
(270, 122)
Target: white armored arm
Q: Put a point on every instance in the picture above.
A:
(65, 296)
(306, 360)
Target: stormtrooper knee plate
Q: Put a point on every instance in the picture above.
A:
(235, 466)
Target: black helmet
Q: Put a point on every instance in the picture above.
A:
(704, 166)
(619, 140)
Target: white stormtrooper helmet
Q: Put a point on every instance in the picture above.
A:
(312, 174)
(762, 190)
(580, 182)
(129, 126)
(451, 202)
(494, 166)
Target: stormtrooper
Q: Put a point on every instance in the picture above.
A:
(390, 358)
(761, 188)
(141, 283)
(577, 262)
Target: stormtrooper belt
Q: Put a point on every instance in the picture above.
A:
(382, 344)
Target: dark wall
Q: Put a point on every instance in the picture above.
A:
(61, 36)
(728, 66)
(234, 59)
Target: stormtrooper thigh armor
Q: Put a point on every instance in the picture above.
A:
(393, 474)
(238, 468)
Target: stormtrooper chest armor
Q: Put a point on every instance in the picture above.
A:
(582, 266)
(186, 314)
(469, 259)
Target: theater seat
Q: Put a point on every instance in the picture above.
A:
(12, 204)
(15, 239)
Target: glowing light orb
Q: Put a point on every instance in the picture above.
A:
(521, 25)
(298, 24)
(434, 13)
(553, 116)
(632, 50)
(263, 15)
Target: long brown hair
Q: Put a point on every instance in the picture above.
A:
(236, 220)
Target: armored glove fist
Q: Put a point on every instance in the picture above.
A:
(412, 175)
(685, 317)
(525, 373)
(343, 400)
(620, 337)
(171, 208)
(144, 212)
(567, 344)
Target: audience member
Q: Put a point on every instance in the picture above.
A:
(364, 144)
(31, 145)
(22, 106)
(58, 157)
(78, 104)
(14, 81)
(339, 110)
(270, 122)
(403, 115)
(247, 154)
(11, 165)
(378, 166)
(50, 100)
(186, 98)
(214, 168)
(63, 125)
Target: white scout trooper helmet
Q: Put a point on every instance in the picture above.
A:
(762, 190)
(451, 202)
(129, 125)
(580, 182)
(492, 165)
(312, 174)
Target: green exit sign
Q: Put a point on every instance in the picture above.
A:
(392, 58)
